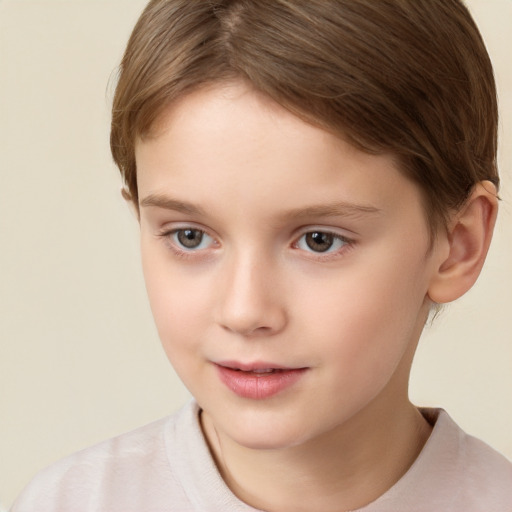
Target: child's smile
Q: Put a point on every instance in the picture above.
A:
(287, 271)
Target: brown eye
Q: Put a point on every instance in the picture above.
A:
(189, 238)
(321, 242)
(318, 241)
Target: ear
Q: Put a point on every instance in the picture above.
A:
(134, 208)
(468, 238)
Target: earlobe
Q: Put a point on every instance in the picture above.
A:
(469, 236)
(131, 203)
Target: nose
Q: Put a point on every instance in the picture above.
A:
(250, 298)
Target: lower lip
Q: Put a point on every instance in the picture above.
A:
(259, 386)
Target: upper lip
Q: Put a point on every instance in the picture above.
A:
(257, 365)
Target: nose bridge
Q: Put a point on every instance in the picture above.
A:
(251, 299)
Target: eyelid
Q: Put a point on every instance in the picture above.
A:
(168, 231)
(349, 242)
(174, 235)
(172, 227)
(345, 234)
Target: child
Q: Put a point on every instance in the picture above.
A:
(312, 179)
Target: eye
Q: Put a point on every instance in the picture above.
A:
(321, 242)
(191, 239)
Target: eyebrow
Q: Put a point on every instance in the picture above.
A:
(336, 209)
(168, 203)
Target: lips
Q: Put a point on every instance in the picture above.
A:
(258, 381)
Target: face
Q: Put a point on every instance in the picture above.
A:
(287, 271)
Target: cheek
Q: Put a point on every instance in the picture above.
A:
(369, 315)
(177, 299)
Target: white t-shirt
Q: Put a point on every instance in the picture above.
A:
(167, 467)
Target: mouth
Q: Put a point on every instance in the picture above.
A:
(262, 371)
(258, 381)
(257, 368)
(258, 373)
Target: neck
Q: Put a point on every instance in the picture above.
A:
(344, 469)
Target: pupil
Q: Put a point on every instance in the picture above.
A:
(190, 238)
(319, 242)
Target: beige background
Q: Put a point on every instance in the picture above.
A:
(79, 357)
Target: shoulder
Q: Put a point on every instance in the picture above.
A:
(454, 472)
(113, 475)
(485, 475)
(466, 473)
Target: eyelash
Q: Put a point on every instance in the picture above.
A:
(328, 254)
(183, 253)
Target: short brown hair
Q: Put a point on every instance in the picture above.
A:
(406, 77)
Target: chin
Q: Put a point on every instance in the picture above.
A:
(271, 441)
(267, 433)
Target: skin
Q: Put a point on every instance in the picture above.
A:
(255, 179)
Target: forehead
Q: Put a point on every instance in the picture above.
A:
(232, 111)
(231, 145)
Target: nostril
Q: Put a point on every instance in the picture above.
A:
(246, 330)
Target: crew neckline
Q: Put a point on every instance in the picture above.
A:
(195, 468)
